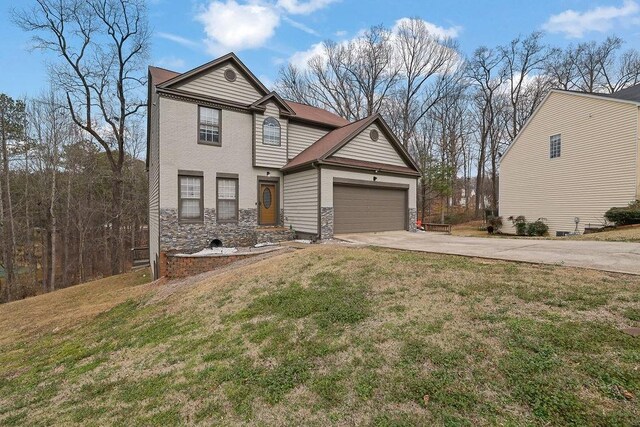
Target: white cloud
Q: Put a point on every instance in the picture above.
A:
(178, 39)
(301, 59)
(300, 26)
(600, 19)
(231, 26)
(436, 30)
(172, 63)
(266, 80)
(296, 7)
(340, 33)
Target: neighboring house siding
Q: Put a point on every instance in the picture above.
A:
(301, 201)
(215, 84)
(596, 170)
(301, 137)
(154, 183)
(362, 147)
(270, 156)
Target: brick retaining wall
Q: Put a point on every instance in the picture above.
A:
(184, 266)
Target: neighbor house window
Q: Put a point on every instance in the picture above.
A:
(555, 145)
(190, 198)
(227, 204)
(271, 131)
(208, 125)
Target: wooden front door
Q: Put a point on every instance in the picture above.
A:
(267, 203)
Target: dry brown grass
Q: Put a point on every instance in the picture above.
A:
(69, 307)
(488, 342)
(622, 234)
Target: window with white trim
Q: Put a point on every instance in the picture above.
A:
(190, 198)
(555, 146)
(227, 192)
(209, 125)
(271, 131)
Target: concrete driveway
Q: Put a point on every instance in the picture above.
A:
(607, 256)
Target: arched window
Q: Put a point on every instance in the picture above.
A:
(271, 131)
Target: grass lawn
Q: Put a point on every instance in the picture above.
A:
(622, 234)
(330, 335)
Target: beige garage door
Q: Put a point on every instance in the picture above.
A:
(362, 209)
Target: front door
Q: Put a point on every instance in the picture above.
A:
(267, 203)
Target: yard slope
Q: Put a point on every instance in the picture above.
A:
(329, 335)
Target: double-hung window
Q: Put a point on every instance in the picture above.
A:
(555, 146)
(208, 125)
(227, 199)
(190, 198)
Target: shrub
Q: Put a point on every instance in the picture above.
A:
(537, 228)
(626, 215)
(520, 223)
(494, 224)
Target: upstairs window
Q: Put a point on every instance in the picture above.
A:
(208, 126)
(271, 131)
(190, 198)
(555, 146)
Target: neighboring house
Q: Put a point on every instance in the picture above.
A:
(576, 157)
(230, 160)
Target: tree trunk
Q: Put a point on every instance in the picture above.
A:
(116, 223)
(67, 235)
(9, 246)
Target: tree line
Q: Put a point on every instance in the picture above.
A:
(73, 188)
(455, 114)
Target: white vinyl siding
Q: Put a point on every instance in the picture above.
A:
(270, 156)
(595, 171)
(301, 137)
(363, 148)
(301, 201)
(213, 83)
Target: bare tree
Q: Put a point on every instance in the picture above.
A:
(486, 71)
(103, 45)
(12, 114)
(523, 58)
(422, 57)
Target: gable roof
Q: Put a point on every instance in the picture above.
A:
(272, 96)
(631, 93)
(161, 75)
(316, 115)
(626, 97)
(333, 141)
(164, 78)
(229, 57)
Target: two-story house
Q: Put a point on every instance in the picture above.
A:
(231, 161)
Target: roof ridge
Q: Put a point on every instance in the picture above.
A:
(165, 69)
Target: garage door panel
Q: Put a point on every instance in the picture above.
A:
(364, 209)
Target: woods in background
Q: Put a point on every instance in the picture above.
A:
(456, 115)
(74, 190)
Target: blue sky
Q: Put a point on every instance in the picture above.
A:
(266, 34)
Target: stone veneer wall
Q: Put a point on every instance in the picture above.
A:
(413, 216)
(190, 237)
(326, 223)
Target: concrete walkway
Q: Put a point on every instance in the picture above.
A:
(607, 256)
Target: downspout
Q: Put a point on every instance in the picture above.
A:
(316, 167)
